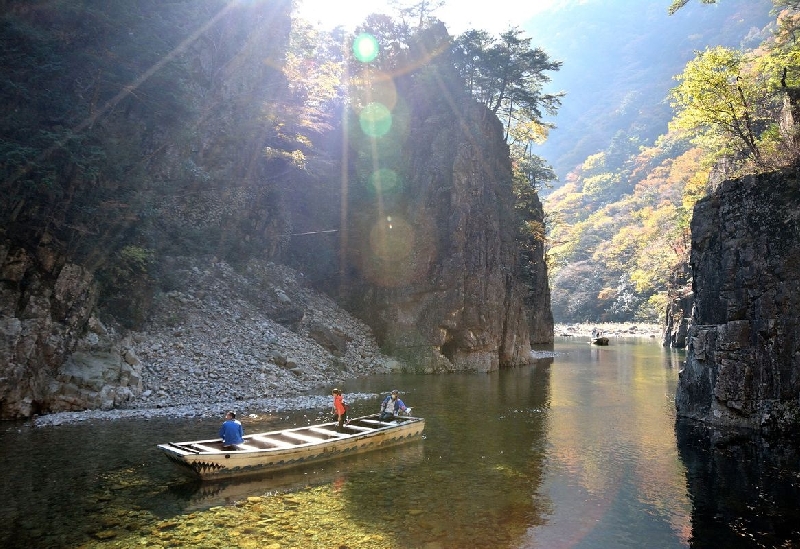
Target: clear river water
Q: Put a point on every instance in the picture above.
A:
(581, 450)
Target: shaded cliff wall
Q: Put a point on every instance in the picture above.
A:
(677, 317)
(54, 353)
(437, 268)
(743, 354)
(124, 137)
(540, 313)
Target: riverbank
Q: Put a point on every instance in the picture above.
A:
(609, 329)
(256, 340)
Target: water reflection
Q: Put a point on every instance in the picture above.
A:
(612, 464)
(200, 495)
(579, 451)
(745, 491)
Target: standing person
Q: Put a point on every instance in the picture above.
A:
(391, 407)
(339, 409)
(231, 432)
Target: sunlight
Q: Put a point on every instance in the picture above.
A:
(365, 47)
(458, 16)
(375, 120)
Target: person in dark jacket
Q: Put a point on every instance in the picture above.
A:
(392, 406)
(231, 432)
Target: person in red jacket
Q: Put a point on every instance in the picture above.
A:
(339, 409)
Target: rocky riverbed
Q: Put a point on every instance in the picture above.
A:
(254, 338)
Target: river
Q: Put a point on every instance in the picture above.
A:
(581, 450)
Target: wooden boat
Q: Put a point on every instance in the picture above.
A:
(600, 340)
(290, 447)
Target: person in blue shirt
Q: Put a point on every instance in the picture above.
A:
(231, 432)
(391, 407)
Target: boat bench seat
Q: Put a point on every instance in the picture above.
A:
(326, 432)
(203, 448)
(359, 428)
(247, 447)
(278, 443)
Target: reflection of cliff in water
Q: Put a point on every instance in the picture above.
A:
(745, 490)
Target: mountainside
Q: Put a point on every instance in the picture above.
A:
(618, 223)
(619, 60)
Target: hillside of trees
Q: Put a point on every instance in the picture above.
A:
(618, 63)
(618, 226)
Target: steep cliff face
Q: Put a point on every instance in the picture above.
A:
(54, 353)
(743, 360)
(679, 309)
(134, 130)
(440, 274)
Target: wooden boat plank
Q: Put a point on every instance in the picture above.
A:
(303, 437)
(204, 448)
(373, 422)
(326, 432)
(247, 447)
(361, 428)
(275, 442)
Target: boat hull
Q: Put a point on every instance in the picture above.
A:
(287, 448)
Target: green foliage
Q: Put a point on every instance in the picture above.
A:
(723, 104)
(507, 75)
(126, 282)
(629, 242)
(678, 4)
(134, 260)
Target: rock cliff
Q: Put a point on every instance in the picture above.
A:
(118, 290)
(743, 353)
(680, 300)
(450, 294)
(55, 354)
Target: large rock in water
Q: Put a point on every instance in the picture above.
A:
(743, 360)
(440, 279)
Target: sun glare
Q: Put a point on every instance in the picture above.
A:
(347, 14)
(365, 47)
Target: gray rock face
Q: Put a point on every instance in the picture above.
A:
(679, 310)
(54, 354)
(743, 360)
(449, 294)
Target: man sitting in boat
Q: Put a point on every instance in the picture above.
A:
(391, 407)
(231, 432)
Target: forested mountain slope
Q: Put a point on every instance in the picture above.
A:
(619, 59)
(619, 221)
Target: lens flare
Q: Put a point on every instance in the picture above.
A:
(375, 120)
(365, 48)
(374, 88)
(391, 239)
(383, 180)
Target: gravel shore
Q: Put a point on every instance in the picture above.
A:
(246, 339)
(609, 329)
